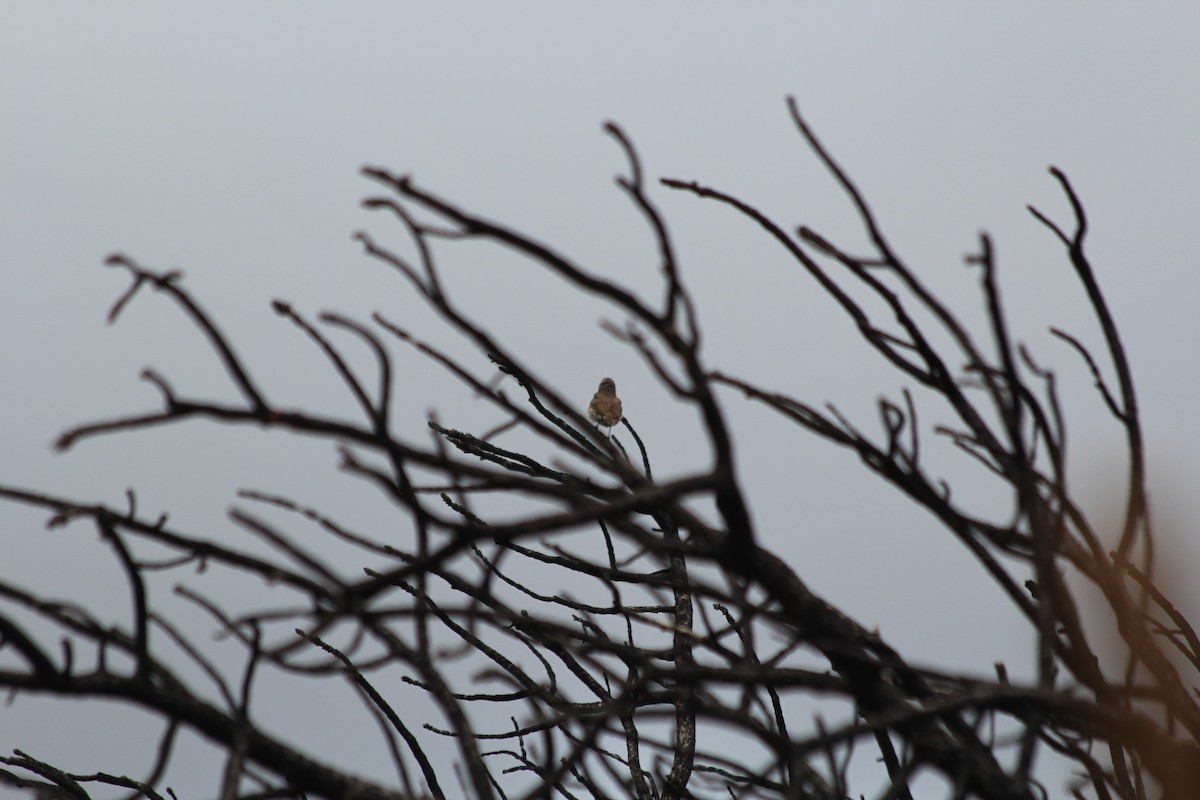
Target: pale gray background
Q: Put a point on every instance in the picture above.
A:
(225, 139)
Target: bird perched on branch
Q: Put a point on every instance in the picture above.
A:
(605, 408)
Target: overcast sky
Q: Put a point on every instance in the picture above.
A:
(226, 140)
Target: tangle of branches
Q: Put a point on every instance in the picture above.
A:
(681, 633)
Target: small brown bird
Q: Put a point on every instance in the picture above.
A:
(605, 408)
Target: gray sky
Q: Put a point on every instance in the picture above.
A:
(226, 140)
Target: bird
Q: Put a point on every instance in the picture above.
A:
(605, 408)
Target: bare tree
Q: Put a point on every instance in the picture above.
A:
(681, 634)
